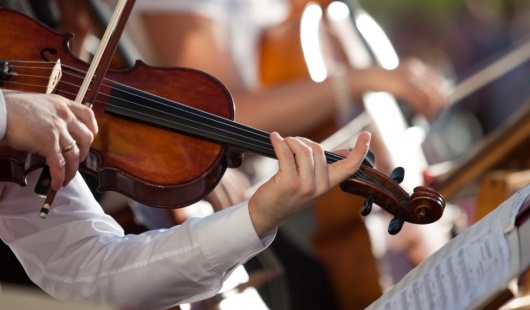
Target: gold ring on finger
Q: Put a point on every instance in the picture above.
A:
(69, 147)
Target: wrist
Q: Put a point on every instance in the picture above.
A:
(261, 222)
(364, 80)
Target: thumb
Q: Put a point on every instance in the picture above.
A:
(343, 169)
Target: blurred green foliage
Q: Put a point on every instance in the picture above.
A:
(389, 12)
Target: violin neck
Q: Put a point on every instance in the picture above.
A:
(157, 111)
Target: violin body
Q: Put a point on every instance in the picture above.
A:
(154, 166)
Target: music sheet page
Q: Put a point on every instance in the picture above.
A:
(471, 267)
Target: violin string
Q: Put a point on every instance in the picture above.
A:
(260, 134)
(336, 157)
(330, 156)
(263, 135)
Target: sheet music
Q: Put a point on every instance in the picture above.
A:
(464, 272)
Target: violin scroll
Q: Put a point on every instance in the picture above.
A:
(424, 206)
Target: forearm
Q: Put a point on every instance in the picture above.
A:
(298, 106)
(372, 78)
(78, 252)
(290, 108)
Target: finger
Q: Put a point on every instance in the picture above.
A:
(423, 98)
(433, 100)
(83, 137)
(321, 166)
(320, 163)
(343, 169)
(421, 88)
(85, 115)
(286, 161)
(443, 93)
(71, 157)
(437, 92)
(48, 145)
(56, 163)
(303, 155)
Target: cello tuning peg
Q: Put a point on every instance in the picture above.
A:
(367, 206)
(395, 225)
(398, 174)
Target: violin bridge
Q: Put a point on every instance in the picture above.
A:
(55, 77)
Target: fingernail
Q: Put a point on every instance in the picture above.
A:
(367, 138)
(277, 135)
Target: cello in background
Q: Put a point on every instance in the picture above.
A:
(338, 230)
(333, 42)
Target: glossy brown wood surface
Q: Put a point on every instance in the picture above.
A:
(146, 163)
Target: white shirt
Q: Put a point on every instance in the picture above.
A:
(80, 253)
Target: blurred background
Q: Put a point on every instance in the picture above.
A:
(461, 38)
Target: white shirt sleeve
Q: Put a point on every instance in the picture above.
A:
(80, 253)
(3, 116)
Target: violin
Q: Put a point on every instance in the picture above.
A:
(166, 135)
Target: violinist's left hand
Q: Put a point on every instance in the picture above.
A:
(303, 176)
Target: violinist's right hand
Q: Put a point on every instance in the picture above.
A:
(52, 126)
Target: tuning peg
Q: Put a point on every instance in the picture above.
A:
(395, 225)
(367, 205)
(398, 174)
